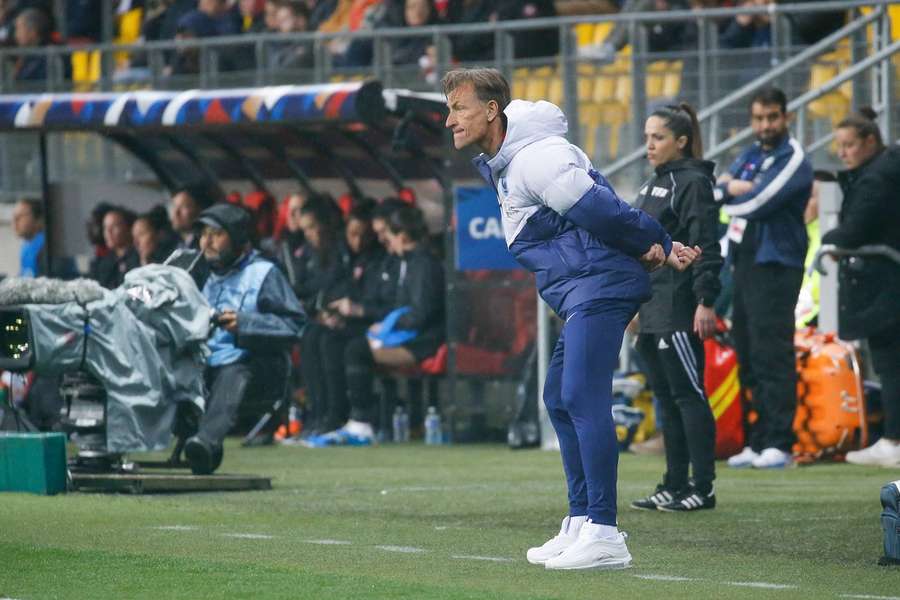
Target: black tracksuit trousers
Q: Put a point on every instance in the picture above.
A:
(674, 366)
(765, 296)
(884, 349)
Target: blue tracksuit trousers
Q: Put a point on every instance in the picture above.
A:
(578, 396)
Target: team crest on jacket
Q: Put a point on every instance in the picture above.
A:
(504, 186)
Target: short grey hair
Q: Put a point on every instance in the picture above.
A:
(489, 84)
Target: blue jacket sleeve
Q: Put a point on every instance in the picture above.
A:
(720, 191)
(279, 320)
(586, 199)
(789, 177)
(604, 215)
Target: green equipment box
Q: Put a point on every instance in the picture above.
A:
(33, 462)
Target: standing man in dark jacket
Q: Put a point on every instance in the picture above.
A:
(869, 285)
(765, 191)
(673, 322)
(258, 317)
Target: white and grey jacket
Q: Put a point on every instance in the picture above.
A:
(562, 220)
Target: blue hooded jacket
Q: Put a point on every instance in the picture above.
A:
(562, 220)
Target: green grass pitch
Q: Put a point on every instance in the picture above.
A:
(410, 521)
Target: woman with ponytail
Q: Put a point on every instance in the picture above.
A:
(868, 287)
(674, 322)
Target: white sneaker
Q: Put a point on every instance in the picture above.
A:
(359, 429)
(591, 551)
(773, 458)
(882, 453)
(568, 533)
(744, 459)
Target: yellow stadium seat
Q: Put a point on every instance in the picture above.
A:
(538, 84)
(602, 31)
(654, 76)
(584, 34)
(129, 27)
(85, 69)
(555, 90)
(672, 79)
(520, 82)
(836, 104)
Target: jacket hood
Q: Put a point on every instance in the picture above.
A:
(705, 167)
(526, 123)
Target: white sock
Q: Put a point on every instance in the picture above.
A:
(607, 531)
(575, 524)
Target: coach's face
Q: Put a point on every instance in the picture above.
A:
(768, 122)
(469, 116)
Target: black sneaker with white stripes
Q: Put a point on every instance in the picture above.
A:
(657, 498)
(690, 500)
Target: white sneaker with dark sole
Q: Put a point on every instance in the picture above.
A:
(773, 458)
(882, 454)
(568, 533)
(591, 551)
(744, 459)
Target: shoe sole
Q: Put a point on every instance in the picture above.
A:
(677, 510)
(643, 507)
(885, 465)
(601, 565)
(195, 454)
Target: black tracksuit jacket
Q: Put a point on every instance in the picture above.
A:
(680, 196)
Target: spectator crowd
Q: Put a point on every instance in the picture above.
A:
(32, 23)
(350, 289)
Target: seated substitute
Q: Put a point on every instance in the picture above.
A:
(258, 317)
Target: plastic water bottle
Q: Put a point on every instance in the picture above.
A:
(405, 428)
(398, 423)
(433, 434)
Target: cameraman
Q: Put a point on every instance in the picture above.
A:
(258, 317)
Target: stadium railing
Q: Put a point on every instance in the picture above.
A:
(607, 100)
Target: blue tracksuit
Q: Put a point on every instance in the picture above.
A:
(563, 221)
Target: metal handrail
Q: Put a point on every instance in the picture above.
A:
(811, 95)
(755, 85)
(471, 28)
(833, 251)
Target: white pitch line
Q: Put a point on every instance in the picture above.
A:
(249, 536)
(401, 549)
(869, 597)
(665, 578)
(177, 528)
(329, 542)
(751, 584)
(761, 584)
(500, 559)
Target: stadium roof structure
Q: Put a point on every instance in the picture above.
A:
(343, 130)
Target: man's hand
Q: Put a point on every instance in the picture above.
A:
(681, 256)
(228, 320)
(738, 187)
(704, 321)
(330, 320)
(724, 178)
(346, 308)
(654, 258)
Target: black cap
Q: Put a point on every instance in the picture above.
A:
(233, 219)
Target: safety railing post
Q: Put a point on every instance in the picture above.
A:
(887, 81)
(638, 36)
(702, 61)
(569, 75)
